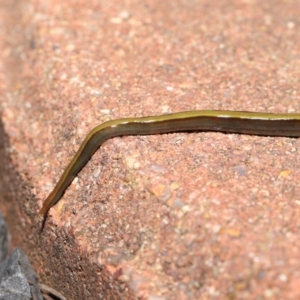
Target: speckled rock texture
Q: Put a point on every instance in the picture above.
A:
(175, 216)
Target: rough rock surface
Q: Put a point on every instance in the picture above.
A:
(176, 216)
(4, 238)
(18, 281)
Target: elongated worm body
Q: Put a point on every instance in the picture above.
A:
(287, 125)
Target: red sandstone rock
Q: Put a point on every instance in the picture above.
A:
(175, 216)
